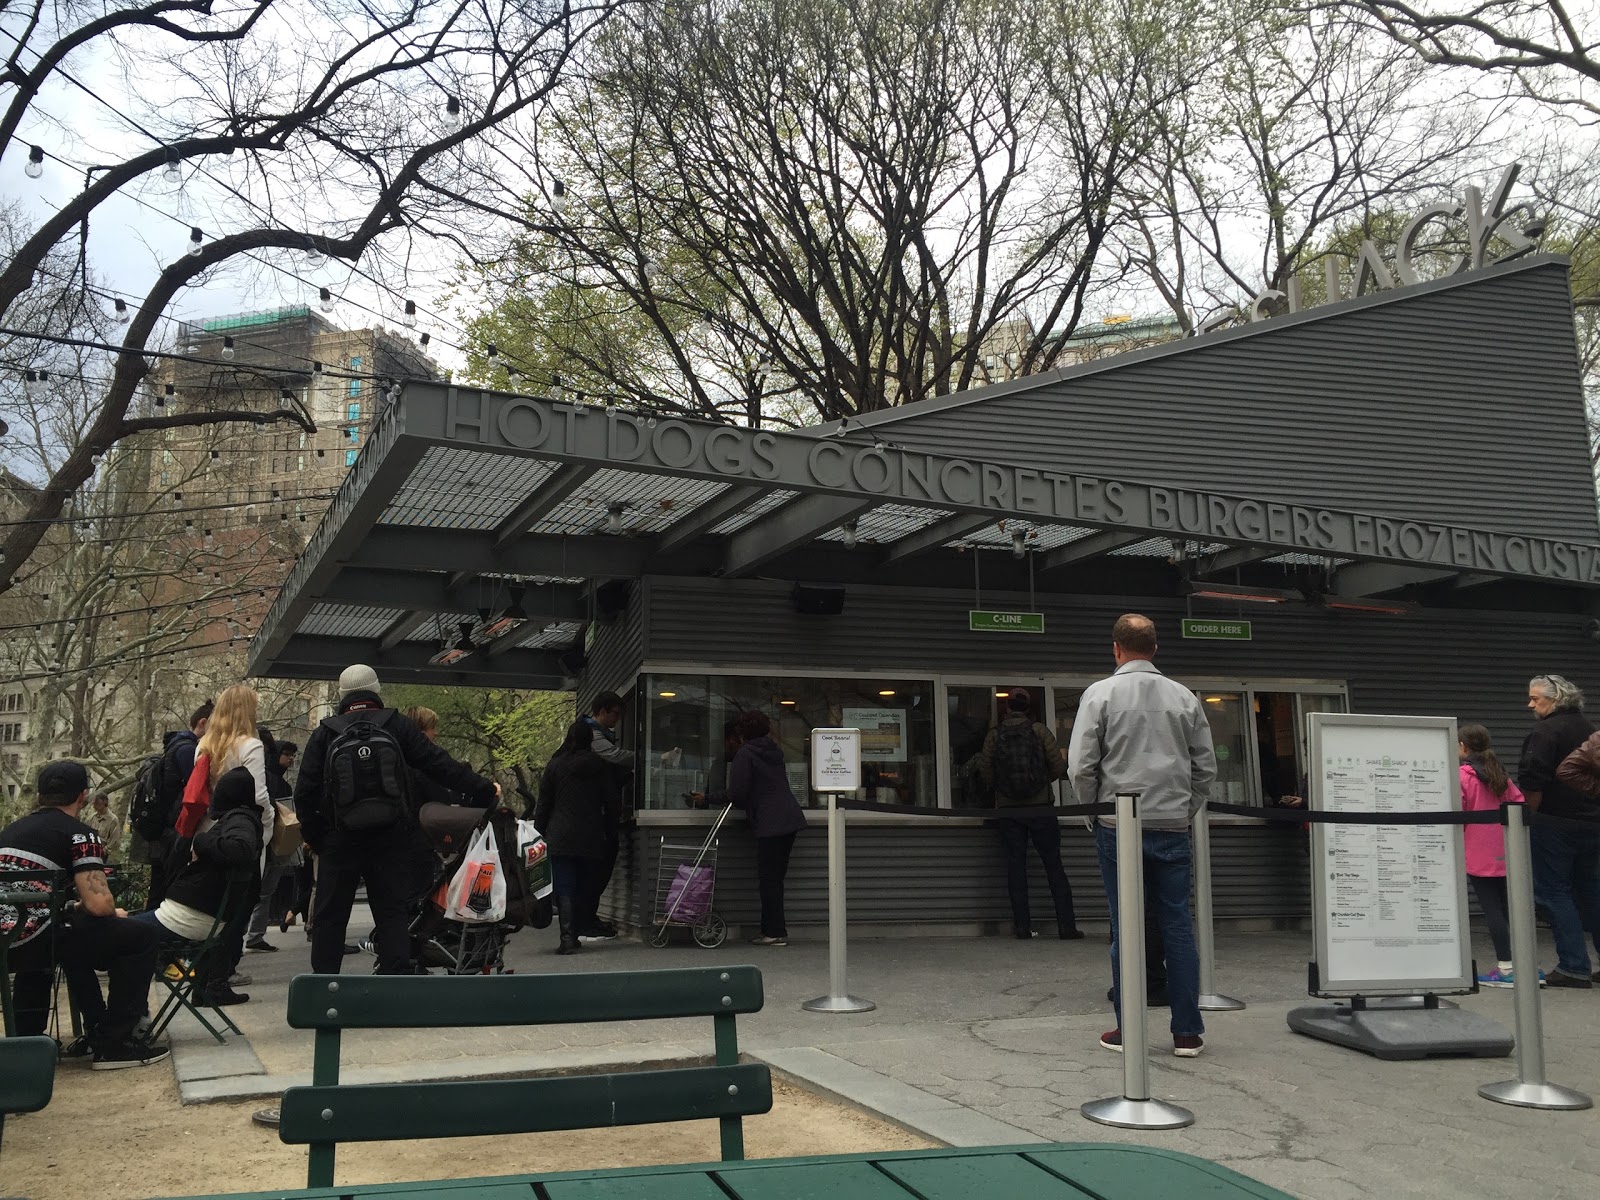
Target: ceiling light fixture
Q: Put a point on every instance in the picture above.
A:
(1246, 595)
(1392, 608)
(510, 619)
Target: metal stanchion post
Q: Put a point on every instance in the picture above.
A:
(1134, 1109)
(1204, 924)
(838, 999)
(1529, 1089)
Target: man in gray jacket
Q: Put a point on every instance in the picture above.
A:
(1138, 731)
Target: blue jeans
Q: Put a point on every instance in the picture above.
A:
(1168, 864)
(1566, 881)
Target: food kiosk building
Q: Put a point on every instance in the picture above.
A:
(1383, 504)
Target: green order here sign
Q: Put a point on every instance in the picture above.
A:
(1218, 631)
(1005, 622)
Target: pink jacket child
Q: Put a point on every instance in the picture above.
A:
(1486, 844)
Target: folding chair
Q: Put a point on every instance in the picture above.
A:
(17, 895)
(184, 992)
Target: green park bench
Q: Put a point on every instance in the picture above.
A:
(27, 1074)
(327, 1112)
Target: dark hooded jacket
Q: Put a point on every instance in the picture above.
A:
(572, 808)
(758, 784)
(228, 851)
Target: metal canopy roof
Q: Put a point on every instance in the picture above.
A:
(464, 499)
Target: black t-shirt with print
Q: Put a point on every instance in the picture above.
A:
(47, 839)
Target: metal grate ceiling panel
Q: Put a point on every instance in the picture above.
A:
(1042, 537)
(348, 620)
(888, 523)
(653, 502)
(464, 489)
(1306, 560)
(1161, 547)
(756, 508)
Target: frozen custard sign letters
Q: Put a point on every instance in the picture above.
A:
(700, 449)
(1478, 221)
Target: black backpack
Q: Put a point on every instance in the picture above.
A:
(147, 811)
(1020, 771)
(364, 773)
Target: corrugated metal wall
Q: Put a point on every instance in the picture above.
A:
(617, 651)
(1459, 404)
(1474, 666)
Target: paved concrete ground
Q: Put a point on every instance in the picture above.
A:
(992, 1040)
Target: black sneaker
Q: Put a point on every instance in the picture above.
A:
(351, 949)
(261, 944)
(1560, 979)
(1071, 934)
(78, 1048)
(600, 929)
(221, 997)
(129, 1054)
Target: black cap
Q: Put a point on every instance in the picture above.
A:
(63, 778)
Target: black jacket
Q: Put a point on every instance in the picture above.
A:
(572, 812)
(1550, 740)
(758, 784)
(230, 850)
(421, 755)
(177, 753)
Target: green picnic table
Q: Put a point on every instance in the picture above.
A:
(1038, 1172)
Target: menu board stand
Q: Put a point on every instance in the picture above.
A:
(1389, 903)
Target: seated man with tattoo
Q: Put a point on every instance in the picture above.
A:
(95, 935)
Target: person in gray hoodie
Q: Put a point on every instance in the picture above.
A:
(758, 784)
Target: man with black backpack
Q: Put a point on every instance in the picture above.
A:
(157, 798)
(1020, 759)
(356, 815)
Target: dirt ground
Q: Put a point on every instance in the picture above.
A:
(123, 1136)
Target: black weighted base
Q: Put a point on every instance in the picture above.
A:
(1405, 1029)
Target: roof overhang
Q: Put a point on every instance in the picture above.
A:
(462, 495)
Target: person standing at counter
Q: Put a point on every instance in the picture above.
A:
(758, 784)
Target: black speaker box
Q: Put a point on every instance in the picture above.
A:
(818, 599)
(572, 662)
(610, 598)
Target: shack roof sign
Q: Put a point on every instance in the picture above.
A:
(981, 621)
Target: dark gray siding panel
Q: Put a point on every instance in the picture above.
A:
(618, 649)
(1459, 403)
(1474, 665)
(951, 875)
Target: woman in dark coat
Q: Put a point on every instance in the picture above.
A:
(571, 813)
(759, 785)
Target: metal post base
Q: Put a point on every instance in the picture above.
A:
(839, 1004)
(1123, 1113)
(1215, 1003)
(1534, 1095)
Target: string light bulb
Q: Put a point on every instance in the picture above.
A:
(1019, 543)
(120, 312)
(423, 340)
(316, 373)
(195, 238)
(325, 300)
(35, 167)
(169, 393)
(35, 383)
(172, 173)
(227, 348)
(408, 317)
(848, 530)
(314, 255)
(491, 351)
(453, 112)
(559, 199)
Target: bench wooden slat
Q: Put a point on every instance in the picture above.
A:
(995, 1175)
(430, 1002)
(1148, 1173)
(624, 1187)
(845, 1180)
(395, 1111)
(27, 1073)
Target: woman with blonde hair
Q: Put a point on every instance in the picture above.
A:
(230, 741)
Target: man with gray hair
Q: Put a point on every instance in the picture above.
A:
(1139, 731)
(1566, 860)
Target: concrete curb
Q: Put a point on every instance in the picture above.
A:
(912, 1109)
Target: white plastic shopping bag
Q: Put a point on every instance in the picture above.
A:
(535, 859)
(478, 891)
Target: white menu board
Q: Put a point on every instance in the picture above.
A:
(835, 760)
(1389, 901)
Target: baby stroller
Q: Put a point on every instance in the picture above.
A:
(461, 947)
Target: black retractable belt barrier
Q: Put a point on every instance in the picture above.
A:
(988, 814)
(1302, 816)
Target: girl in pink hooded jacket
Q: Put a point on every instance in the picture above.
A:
(1485, 785)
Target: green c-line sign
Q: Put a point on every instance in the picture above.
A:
(980, 621)
(1217, 631)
